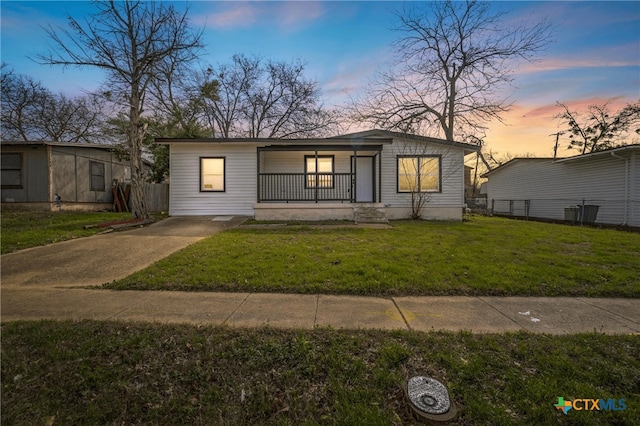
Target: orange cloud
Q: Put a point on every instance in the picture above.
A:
(531, 129)
(608, 57)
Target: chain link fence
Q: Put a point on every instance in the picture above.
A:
(577, 211)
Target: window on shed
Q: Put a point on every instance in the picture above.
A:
(97, 176)
(419, 174)
(212, 174)
(319, 171)
(11, 166)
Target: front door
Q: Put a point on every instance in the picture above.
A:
(365, 178)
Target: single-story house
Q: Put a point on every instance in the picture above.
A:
(81, 175)
(605, 185)
(365, 176)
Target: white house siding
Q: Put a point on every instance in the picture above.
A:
(444, 205)
(240, 195)
(553, 186)
(185, 198)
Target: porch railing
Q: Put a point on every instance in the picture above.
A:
(306, 187)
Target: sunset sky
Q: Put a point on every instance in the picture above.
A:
(595, 55)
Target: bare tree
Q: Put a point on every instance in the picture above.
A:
(31, 112)
(131, 40)
(231, 83)
(452, 59)
(257, 98)
(21, 99)
(179, 101)
(600, 129)
(73, 119)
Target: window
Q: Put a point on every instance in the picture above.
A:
(212, 174)
(319, 171)
(11, 165)
(419, 174)
(97, 176)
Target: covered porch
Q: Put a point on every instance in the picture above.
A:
(319, 174)
(320, 182)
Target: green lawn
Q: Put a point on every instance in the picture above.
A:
(23, 229)
(103, 372)
(483, 256)
(134, 373)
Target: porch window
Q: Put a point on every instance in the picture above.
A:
(212, 174)
(419, 174)
(11, 165)
(97, 175)
(319, 171)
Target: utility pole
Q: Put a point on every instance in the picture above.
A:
(555, 148)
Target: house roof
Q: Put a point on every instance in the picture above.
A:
(51, 143)
(109, 147)
(469, 148)
(268, 141)
(514, 161)
(575, 158)
(369, 137)
(600, 154)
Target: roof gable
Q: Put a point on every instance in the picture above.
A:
(379, 133)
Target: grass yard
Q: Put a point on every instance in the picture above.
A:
(483, 256)
(23, 229)
(133, 373)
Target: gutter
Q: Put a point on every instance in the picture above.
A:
(626, 186)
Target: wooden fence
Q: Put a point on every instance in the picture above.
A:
(157, 196)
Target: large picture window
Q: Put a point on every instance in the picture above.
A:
(418, 174)
(319, 171)
(212, 174)
(97, 175)
(11, 166)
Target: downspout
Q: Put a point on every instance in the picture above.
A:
(626, 187)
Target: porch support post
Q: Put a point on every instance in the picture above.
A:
(379, 177)
(354, 185)
(258, 183)
(317, 183)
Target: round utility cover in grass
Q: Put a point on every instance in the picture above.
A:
(430, 399)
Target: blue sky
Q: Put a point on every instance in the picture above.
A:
(595, 55)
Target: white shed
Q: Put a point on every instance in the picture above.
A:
(556, 188)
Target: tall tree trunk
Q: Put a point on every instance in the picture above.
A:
(136, 135)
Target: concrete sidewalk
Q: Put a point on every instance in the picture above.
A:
(476, 314)
(38, 283)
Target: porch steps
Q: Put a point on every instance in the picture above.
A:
(369, 214)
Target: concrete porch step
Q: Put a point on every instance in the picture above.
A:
(369, 214)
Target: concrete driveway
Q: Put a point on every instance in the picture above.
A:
(103, 258)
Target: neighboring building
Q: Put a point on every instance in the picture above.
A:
(555, 188)
(82, 175)
(361, 176)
